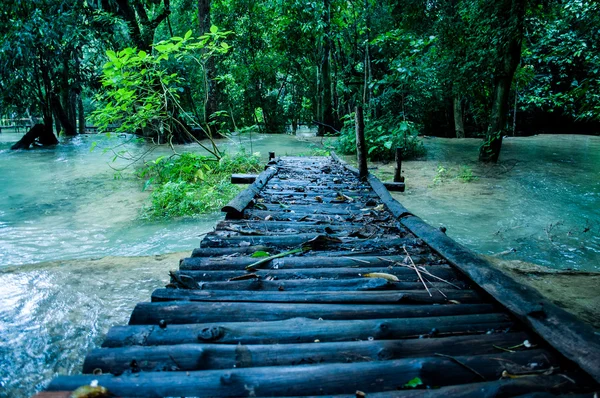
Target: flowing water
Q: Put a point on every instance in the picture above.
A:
(66, 209)
(540, 203)
(66, 225)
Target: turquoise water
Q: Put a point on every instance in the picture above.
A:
(540, 203)
(61, 207)
(64, 205)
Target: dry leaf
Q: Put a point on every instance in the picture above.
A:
(382, 275)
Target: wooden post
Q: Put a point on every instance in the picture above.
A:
(398, 170)
(271, 156)
(361, 147)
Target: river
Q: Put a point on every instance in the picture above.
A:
(68, 224)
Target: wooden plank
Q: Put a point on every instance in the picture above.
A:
(318, 296)
(297, 262)
(304, 330)
(313, 379)
(227, 251)
(185, 357)
(212, 240)
(182, 312)
(553, 384)
(322, 284)
(403, 274)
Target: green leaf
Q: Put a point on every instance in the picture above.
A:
(260, 254)
(188, 34)
(214, 29)
(414, 383)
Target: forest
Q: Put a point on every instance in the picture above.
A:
(177, 71)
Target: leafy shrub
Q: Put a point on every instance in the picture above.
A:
(443, 174)
(190, 184)
(465, 174)
(382, 137)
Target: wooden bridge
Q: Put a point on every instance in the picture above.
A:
(320, 284)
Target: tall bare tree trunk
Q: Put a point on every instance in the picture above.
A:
(459, 124)
(512, 15)
(210, 101)
(327, 126)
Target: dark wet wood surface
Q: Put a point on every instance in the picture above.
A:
(353, 301)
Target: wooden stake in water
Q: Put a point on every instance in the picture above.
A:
(361, 146)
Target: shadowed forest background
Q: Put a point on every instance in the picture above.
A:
(179, 70)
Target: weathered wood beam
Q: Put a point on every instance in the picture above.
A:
(304, 330)
(394, 186)
(403, 274)
(323, 284)
(571, 337)
(243, 178)
(291, 262)
(280, 295)
(182, 312)
(237, 205)
(388, 375)
(186, 357)
(212, 240)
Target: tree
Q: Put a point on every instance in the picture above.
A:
(42, 44)
(508, 23)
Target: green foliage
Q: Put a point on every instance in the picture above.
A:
(442, 174)
(190, 184)
(463, 174)
(382, 137)
(414, 383)
(141, 91)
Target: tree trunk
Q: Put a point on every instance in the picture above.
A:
(39, 132)
(81, 114)
(327, 107)
(512, 15)
(210, 101)
(68, 128)
(459, 125)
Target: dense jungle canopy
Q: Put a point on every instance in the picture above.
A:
(178, 70)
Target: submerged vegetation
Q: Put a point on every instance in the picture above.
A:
(190, 184)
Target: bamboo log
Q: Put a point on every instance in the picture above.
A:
(182, 312)
(388, 375)
(187, 357)
(282, 295)
(237, 205)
